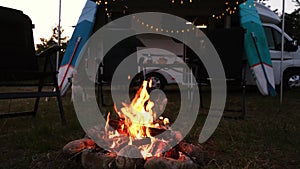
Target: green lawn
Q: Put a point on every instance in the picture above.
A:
(269, 136)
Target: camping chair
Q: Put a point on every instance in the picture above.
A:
(229, 43)
(20, 67)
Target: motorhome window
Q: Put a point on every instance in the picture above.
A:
(270, 39)
(273, 38)
(277, 38)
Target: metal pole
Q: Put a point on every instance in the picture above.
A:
(58, 38)
(282, 49)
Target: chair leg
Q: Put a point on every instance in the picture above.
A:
(61, 109)
(59, 101)
(37, 100)
(243, 114)
(36, 105)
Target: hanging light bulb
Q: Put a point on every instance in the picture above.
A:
(181, 1)
(98, 2)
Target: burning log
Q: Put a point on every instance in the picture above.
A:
(115, 124)
(168, 163)
(159, 147)
(142, 142)
(157, 131)
(172, 153)
(78, 146)
(118, 125)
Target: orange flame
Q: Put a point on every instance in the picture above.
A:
(138, 118)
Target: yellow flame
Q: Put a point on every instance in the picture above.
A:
(138, 117)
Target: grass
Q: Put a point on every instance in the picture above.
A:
(269, 136)
(25, 138)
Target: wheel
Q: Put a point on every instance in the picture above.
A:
(158, 81)
(292, 79)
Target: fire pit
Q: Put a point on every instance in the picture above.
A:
(136, 139)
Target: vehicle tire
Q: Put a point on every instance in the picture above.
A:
(158, 81)
(291, 79)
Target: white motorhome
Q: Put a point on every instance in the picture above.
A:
(291, 54)
(290, 64)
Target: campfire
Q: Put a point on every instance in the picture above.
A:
(137, 138)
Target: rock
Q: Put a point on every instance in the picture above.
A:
(195, 153)
(98, 160)
(78, 146)
(129, 157)
(168, 163)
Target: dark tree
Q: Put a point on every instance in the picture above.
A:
(292, 22)
(46, 43)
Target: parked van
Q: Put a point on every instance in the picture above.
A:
(291, 54)
(290, 64)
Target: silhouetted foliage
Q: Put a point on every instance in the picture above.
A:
(46, 43)
(292, 22)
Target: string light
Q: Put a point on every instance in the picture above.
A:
(182, 1)
(157, 29)
(229, 10)
(98, 2)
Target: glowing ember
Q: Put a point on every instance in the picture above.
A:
(138, 118)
